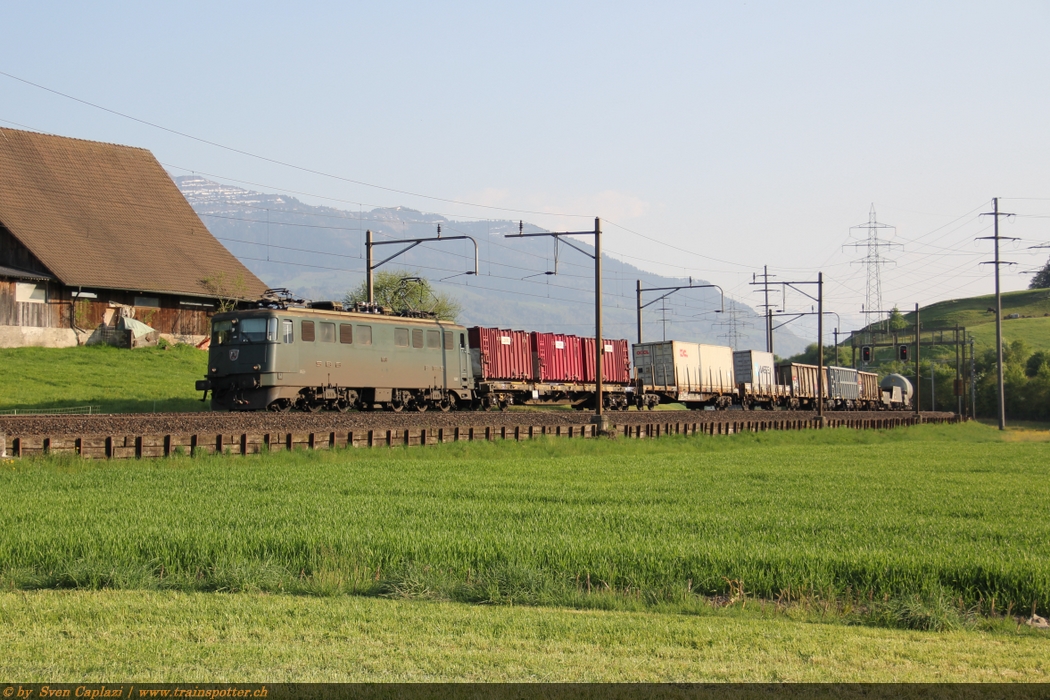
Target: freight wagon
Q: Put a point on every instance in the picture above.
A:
(545, 369)
(693, 374)
(756, 380)
(311, 356)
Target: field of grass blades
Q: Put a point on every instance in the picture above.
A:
(927, 527)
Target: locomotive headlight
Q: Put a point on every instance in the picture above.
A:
(255, 367)
(214, 369)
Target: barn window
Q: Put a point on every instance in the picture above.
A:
(287, 330)
(307, 331)
(364, 335)
(417, 337)
(152, 302)
(401, 337)
(346, 333)
(327, 332)
(433, 339)
(32, 292)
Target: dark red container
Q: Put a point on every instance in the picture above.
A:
(500, 354)
(556, 357)
(616, 361)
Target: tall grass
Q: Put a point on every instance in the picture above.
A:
(927, 517)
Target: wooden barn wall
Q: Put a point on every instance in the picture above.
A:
(21, 313)
(14, 254)
(170, 317)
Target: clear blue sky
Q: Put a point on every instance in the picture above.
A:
(753, 133)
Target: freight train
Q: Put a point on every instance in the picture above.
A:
(320, 356)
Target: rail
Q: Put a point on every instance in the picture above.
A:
(244, 443)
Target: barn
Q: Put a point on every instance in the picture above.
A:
(94, 232)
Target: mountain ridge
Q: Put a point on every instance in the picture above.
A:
(318, 252)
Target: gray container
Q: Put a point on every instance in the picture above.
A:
(755, 367)
(843, 384)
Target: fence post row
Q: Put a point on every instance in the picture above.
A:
(164, 445)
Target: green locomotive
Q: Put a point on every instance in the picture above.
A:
(325, 358)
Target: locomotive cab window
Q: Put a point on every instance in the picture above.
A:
(433, 339)
(257, 330)
(287, 330)
(327, 332)
(417, 337)
(222, 332)
(307, 331)
(401, 337)
(364, 335)
(346, 333)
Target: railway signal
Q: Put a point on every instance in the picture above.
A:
(902, 353)
(865, 354)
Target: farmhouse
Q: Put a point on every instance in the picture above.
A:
(91, 232)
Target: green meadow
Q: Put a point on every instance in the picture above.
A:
(926, 527)
(907, 555)
(115, 380)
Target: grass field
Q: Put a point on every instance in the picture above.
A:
(144, 379)
(928, 527)
(148, 636)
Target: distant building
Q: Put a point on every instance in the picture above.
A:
(93, 231)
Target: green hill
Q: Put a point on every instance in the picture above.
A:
(1032, 325)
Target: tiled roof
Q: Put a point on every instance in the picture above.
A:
(107, 216)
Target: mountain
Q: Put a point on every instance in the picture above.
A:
(319, 252)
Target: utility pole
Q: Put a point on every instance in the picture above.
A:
(600, 420)
(918, 384)
(370, 285)
(766, 306)
(998, 306)
(669, 291)
(412, 243)
(820, 346)
(820, 330)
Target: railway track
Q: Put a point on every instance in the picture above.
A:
(164, 434)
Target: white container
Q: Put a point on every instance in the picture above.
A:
(688, 368)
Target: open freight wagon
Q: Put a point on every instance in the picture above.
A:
(545, 369)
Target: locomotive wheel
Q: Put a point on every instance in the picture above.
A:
(397, 407)
(280, 406)
(445, 406)
(420, 406)
(313, 407)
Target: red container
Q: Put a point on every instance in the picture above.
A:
(500, 354)
(616, 361)
(556, 357)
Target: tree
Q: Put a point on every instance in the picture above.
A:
(897, 322)
(227, 292)
(1042, 278)
(406, 291)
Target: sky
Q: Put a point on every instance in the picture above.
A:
(710, 138)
